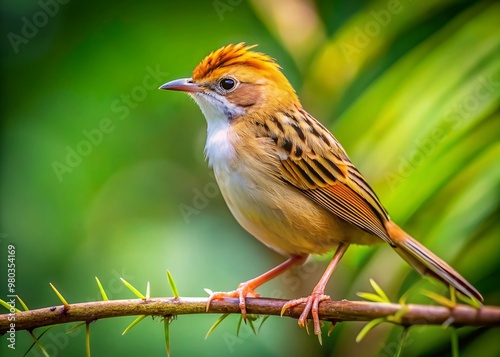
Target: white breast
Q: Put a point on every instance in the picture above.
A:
(218, 112)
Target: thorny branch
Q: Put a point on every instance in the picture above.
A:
(344, 310)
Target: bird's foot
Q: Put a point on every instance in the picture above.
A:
(243, 291)
(312, 304)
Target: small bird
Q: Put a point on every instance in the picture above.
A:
(286, 179)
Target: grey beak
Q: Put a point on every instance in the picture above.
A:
(182, 85)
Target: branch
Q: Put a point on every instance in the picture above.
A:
(343, 310)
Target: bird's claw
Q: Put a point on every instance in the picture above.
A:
(243, 291)
(311, 306)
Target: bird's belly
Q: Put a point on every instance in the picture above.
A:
(283, 218)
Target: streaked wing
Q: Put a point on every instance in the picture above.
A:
(315, 163)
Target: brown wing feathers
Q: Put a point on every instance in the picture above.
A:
(318, 166)
(325, 174)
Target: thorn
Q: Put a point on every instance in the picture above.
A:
(332, 325)
(320, 339)
(283, 310)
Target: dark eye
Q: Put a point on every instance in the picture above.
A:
(227, 83)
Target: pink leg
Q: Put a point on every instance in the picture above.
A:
(247, 289)
(317, 295)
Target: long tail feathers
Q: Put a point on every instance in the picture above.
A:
(427, 263)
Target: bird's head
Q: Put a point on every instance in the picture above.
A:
(233, 81)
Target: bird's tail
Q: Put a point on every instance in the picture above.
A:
(428, 263)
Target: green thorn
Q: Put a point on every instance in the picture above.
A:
(87, 338)
(262, 322)
(63, 300)
(101, 289)
(379, 291)
(472, 301)
(216, 323)
(440, 299)
(398, 315)
(455, 350)
(453, 295)
(134, 323)
(75, 327)
(166, 327)
(134, 290)
(148, 294)
(250, 323)
(402, 341)
(371, 297)
(238, 327)
(37, 342)
(370, 325)
(7, 306)
(173, 287)
(25, 307)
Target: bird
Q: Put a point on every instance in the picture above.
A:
(287, 180)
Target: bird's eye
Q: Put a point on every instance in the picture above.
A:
(227, 84)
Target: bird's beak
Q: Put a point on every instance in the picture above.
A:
(183, 85)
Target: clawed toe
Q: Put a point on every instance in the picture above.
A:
(311, 306)
(243, 291)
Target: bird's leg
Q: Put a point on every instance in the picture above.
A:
(247, 288)
(317, 295)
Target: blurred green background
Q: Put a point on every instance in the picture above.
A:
(104, 175)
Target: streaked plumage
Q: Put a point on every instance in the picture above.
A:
(284, 176)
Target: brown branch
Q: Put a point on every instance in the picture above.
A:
(344, 310)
